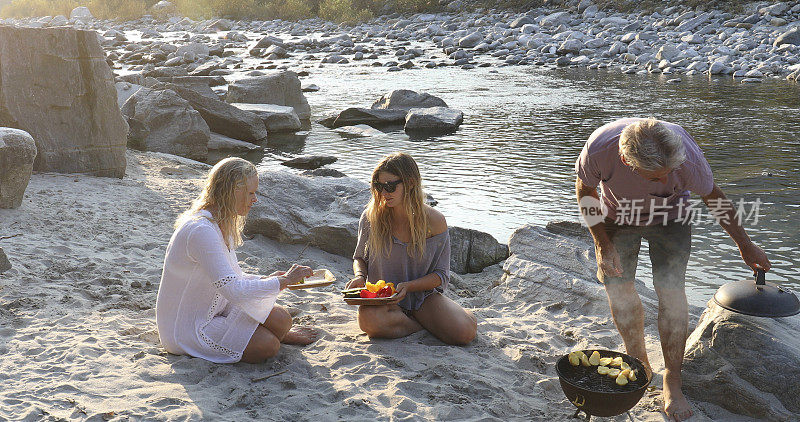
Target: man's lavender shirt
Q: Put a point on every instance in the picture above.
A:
(600, 164)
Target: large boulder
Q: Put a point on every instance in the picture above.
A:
(320, 211)
(17, 153)
(369, 116)
(281, 88)
(433, 120)
(405, 99)
(471, 251)
(81, 14)
(56, 85)
(224, 118)
(791, 36)
(747, 365)
(276, 118)
(124, 91)
(162, 121)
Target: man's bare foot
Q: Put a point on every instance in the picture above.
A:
(300, 336)
(675, 404)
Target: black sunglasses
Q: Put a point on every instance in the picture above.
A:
(388, 186)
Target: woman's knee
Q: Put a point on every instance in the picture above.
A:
(464, 332)
(279, 320)
(263, 345)
(369, 320)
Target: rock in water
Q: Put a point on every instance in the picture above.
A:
(310, 162)
(224, 118)
(162, 121)
(369, 116)
(281, 88)
(744, 364)
(55, 84)
(277, 118)
(17, 153)
(405, 99)
(433, 120)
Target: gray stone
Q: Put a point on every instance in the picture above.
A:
(470, 40)
(747, 365)
(555, 19)
(404, 99)
(691, 24)
(224, 118)
(320, 211)
(196, 48)
(573, 46)
(275, 117)
(471, 251)
(224, 143)
(776, 9)
(791, 36)
(310, 162)
(17, 153)
(521, 21)
(56, 85)
(374, 117)
(280, 88)
(667, 52)
(81, 14)
(5, 264)
(433, 120)
(162, 121)
(124, 91)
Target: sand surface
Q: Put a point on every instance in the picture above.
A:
(78, 339)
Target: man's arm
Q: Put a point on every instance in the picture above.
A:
(607, 257)
(723, 209)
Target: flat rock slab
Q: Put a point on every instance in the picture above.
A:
(276, 118)
(367, 116)
(224, 143)
(17, 154)
(224, 118)
(433, 120)
(310, 162)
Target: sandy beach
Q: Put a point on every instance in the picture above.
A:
(78, 339)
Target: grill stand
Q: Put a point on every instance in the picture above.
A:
(589, 416)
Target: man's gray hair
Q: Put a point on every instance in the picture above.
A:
(650, 145)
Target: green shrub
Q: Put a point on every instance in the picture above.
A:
(26, 8)
(416, 6)
(344, 11)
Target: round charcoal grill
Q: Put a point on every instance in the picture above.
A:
(599, 395)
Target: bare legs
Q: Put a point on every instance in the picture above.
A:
(267, 339)
(673, 319)
(442, 317)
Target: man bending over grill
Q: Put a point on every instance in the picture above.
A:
(646, 169)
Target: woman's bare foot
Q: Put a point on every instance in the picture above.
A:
(675, 404)
(300, 336)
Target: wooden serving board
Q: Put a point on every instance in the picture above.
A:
(320, 278)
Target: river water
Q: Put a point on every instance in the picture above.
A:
(512, 161)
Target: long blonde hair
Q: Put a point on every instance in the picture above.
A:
(379, 215)
(219, 194)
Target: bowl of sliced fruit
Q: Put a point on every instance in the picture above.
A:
(602, 382)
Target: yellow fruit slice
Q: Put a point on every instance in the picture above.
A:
(603, 370)
(594, 359)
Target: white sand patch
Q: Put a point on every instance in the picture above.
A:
(78, 337)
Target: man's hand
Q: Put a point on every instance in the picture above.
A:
(754, 257)
(608, 261)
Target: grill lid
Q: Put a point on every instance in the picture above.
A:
(757, 298)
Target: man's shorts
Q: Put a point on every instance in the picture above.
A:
(669, 246)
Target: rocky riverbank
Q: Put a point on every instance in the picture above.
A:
(761, 42)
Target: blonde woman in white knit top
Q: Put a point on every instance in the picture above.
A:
(207, 307)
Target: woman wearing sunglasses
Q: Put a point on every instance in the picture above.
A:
(404, 241)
